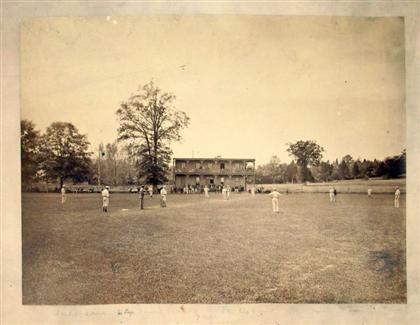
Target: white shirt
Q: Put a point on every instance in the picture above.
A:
(397, 194)
(163, 192)
(105, 193)
(63, 191)
(275, 194)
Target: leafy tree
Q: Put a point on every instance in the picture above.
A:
(376, 169)
(356, 172)
(349, 163)
(403, 162)
(335, 170)
(29, 150)
(343, 168)
(326, 171)
(65, 153)
(316, 173)
(273, 168)
(394, 166)
(306, 153)
(292, 172)
(149, 123)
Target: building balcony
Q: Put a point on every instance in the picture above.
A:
(216, 172)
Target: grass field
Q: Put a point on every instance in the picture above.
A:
(213, 251)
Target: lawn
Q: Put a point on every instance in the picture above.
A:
(201, 250)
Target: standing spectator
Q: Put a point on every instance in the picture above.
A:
(397, 197)
(63, 194)
(105, 199)
(253, 191)
(206, 191)
(275, 200)
(163, 194)
(142, 192)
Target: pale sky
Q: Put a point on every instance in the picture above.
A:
(250, 84)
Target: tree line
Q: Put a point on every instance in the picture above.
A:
(148, 124)
(308, 166)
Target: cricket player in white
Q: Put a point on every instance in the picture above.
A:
(397, 197)
(275, 200)
(253, 191)
(369, 192)
(150, 191)
(206, 191)
(224, 193)
(63, 194)
(228, 192)
(105, 199)
(163, 194)
(331, 194)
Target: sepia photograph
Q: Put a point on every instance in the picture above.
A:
(225, 159)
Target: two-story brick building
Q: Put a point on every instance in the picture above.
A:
(213, 172)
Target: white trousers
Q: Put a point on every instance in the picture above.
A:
(105, 202)
(275, 203)
(397, 202)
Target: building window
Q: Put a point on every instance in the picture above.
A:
(222, 165)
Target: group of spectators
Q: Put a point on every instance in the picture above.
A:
(190, 189)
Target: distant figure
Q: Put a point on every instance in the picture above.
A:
(397, 197)
(275, 200)
(253, 191)
(63, 194)
(224, 193)
(150, 189)
(369, 192)
(331, 194)
(206, 191)
(105, 199)
(163, 194)
(142, 192)
(228, 192)
(185, 190)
